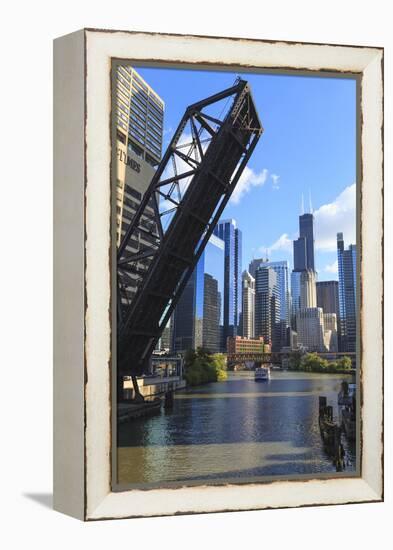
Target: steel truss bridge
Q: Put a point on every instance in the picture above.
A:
(277, 357)
(177, 215)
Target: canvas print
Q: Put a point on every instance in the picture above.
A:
(236, 278)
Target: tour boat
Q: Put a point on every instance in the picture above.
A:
(262, 373)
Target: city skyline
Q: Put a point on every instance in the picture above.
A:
(189, 311)
(290, 172)
(210, 309)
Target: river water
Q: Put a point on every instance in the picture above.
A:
(237, 430)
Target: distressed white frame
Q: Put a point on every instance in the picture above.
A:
(93, 499)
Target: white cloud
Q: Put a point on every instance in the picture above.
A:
(282, 243)
(331, 218)
(334, 217)
(331, 268)
(275, 179)
(247, 180)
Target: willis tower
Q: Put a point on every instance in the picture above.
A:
(303, 247)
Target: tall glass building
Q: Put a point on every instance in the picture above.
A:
(198, 314)
(228, 232)
(303, 261)
(295, 295)
(267, 307)
(303, 247)
(282, 270)
(299, 254)
(306, 231)
(347, 294)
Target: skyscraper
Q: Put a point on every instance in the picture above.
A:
(306, 231)
(299, 254)
(327, 296)
(303, 247)
(303, 261)
(267, 306)
(327, 299)
(295, 295)
(238, 276)
(347, 294)
(198, 314)
(188, 314)
(248, 305)
(211, 314)
(140, 112)
(330, 331)
(227, 231)
(139, 130)
(310, 318)
(282, 270)
(311, 329)
(254, 264)
(308, 294)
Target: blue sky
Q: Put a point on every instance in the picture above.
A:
(308, 147)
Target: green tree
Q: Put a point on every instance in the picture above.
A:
(344, 363)
(332, 366)
(294, 360)
(220, 366)
(311, 362)
(202, 367)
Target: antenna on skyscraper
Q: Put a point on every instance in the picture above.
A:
(309, 198)
(302, 207)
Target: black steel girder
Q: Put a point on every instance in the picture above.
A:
(187, 195)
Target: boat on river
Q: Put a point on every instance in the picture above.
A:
(262, 374)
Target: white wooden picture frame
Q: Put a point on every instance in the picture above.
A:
(82, 291)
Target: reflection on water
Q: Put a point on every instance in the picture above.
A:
(233, 430)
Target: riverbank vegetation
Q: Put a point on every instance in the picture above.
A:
(312, 362)
(202, 367)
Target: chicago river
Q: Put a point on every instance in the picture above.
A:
(237, 430)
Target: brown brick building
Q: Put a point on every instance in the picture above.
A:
(237, 344)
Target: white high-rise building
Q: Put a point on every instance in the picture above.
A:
(139, 135)
(248, 309)
(311, 329)
(308, 291)
(330, 327)
(317, 331)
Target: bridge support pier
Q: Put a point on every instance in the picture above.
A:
(169, 398)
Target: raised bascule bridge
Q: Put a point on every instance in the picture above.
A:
(176, 217)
